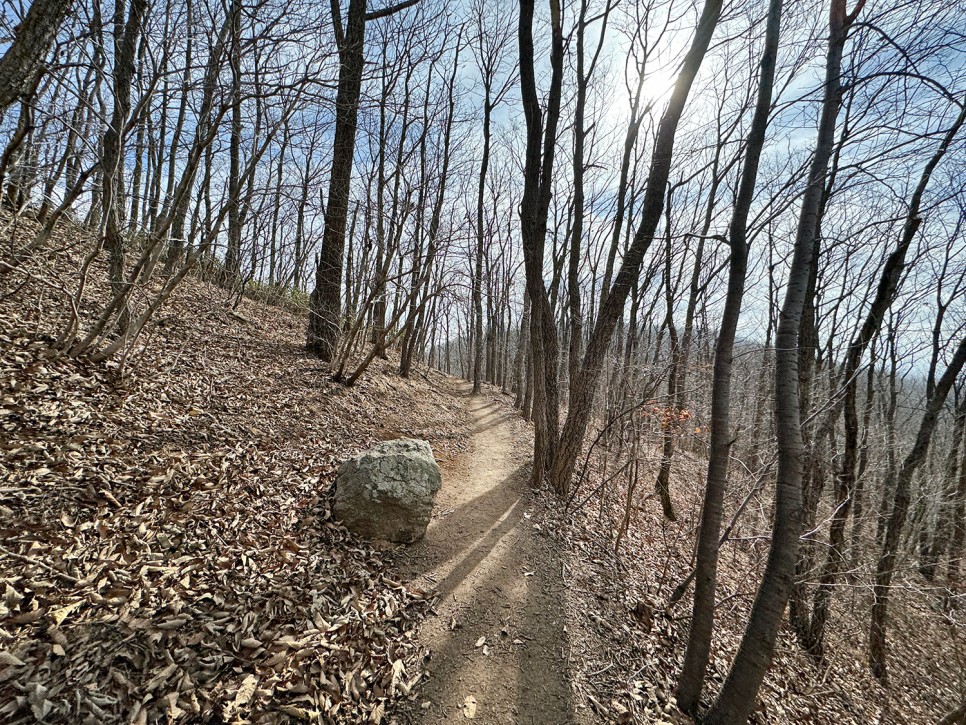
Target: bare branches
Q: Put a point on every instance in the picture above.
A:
(390, 10)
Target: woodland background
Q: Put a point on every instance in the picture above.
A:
(668, 230)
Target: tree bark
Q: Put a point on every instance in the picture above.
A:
(33, 40)
(325, 302)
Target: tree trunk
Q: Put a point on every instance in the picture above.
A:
(325, 302)
(480, 244)
(584, 388)
(112, 194)
(702, 616)
(33, 40)
(900, 508)
(534, 208)
(233, 251)
(738, 695)
(957, 544)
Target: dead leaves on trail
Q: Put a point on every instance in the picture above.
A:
(168, 554)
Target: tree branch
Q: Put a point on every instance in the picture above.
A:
(391, 10)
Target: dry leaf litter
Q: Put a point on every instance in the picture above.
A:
(168, 553)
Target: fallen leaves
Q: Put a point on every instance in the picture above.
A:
(243, 696)
(169, 554)
(9, 660)
(61, 613)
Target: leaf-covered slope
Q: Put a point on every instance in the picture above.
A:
(168, 550)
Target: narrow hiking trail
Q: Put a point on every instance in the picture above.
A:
(497, 646)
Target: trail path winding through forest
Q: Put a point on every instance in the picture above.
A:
(498, 644)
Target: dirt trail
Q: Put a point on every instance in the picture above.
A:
(499, 580)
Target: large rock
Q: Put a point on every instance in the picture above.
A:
(387, 491)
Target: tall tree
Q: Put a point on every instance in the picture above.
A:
(585, 70)
(233, 250)
(493, 34)
(325, 302)
(534, 208)
(737, 698)
(702, 616)
(126, 36)
(584, 387)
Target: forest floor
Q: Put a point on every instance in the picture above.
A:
(168, 554)
(167, 550)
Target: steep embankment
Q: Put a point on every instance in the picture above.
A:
(629, 644)
(168, 551)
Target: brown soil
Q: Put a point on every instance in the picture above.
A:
(499, 634)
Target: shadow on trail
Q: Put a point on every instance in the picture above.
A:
(521, 614)
(489, 516)
(491, 415)
(544, 694)
(500, 631)
(482, 550)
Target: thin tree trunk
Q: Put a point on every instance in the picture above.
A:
(233, 251)
(702, 616)
(900, 508)
(534, 208)
(858, 505)
(112, 194)
(584, 389)
(738, 695)
(480, 243)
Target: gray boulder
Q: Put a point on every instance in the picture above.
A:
(387, 491)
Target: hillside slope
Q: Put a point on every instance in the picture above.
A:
(168, 549)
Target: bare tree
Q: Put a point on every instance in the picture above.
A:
(534, 208)
(584, 387)
(702, 616)
(900, 509)
(325, 311)
(737, 698)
